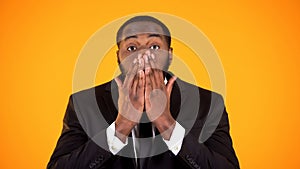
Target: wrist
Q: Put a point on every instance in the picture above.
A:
(123, 127)
(165, 126)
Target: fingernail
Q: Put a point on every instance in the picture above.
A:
(146, 58)
(134, 61)
(147, 70)
(147, 52)
(152, 56)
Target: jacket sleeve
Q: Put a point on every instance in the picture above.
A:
(75, 149)
(216, 152)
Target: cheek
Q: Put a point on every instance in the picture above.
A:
(122, 55)
(126, 60)
(161, 59)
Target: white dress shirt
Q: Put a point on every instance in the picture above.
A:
(174, 144)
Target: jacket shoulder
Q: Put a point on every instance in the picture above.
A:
(99, 89)
(205, 94)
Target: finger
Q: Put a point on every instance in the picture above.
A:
(131, 74)
(141, 63)
(140, 73)
(152, 61)
(141, 85)
(149, 69)
(134, 85)
(160, 77)
(150, 75)
(170, 85)
(148, 85)
(157, 73)
(146, 59)
(119, 82)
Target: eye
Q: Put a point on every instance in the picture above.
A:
(154, 47)
(131, 48)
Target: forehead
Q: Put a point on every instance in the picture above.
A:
(141, 27)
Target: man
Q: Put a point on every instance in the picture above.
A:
(151, 118)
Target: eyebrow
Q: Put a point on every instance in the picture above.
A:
(155, 35)
(151, 35)
(129, 37)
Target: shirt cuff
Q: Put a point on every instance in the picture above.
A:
(176, 139)
(114, 143)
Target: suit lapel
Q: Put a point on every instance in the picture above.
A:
(175, 100)
(106, 102)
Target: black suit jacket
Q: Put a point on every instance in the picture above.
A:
(207, 144)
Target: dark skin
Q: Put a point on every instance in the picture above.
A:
(143, 87)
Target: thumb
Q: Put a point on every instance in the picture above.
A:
(119, 82)
(170, 84)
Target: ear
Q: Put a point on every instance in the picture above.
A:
(170, 55)
(118, 58)
(117, 52)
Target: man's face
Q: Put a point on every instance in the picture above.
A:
(139, 37)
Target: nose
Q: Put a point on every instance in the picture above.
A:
(144, 51)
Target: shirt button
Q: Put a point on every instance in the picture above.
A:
(113, 148)
(176, 148)
(92, 165)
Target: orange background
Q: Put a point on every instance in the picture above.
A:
(258, 43)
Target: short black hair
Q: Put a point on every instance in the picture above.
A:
(165, 29)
